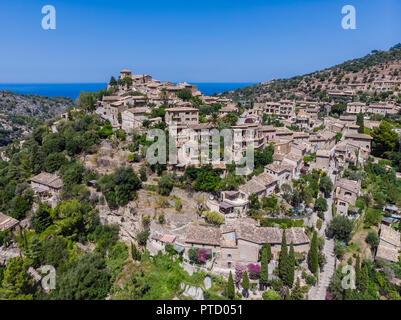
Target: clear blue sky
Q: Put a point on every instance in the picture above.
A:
(195, 41)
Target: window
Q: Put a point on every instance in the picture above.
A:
(229, 256)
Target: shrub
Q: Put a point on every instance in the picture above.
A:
(373, 239)
(214, 218)
(340, 228)
(270, 295)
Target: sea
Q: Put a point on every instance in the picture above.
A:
(72, 90)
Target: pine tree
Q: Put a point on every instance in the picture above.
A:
(264, 269)
(296, 293)
(291, 258)
(313, 257)
(230, 287)
(283, 260)
(364, 279)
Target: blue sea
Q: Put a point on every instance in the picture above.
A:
(73, 90)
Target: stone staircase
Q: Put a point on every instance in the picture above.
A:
(318, 292)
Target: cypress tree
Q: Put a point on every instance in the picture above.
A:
(296, 293)
(291, 258)
(313, 257)
(245, 282)
(360, 123)
(230, 287)
(357, 272)
(269, 252)
(287, 294)
(136, 255)
(283, 260)
(364, 279)
(264, 269)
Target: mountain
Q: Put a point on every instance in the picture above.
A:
(350, 75)
(20, 113)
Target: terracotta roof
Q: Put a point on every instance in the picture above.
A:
(167, 238)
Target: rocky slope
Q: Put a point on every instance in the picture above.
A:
(19, 113)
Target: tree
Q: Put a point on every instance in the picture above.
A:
(357, 272)
(184, 94)
(142, 174)
(41, 219)
(384, 140)
(313, 258)
(264, 268)
(86, 279)
(112, 82)
(340, 228)
(284, 261)
(360, 122)
(291, 269)
(326, 185)
(364, 279)
(254, 201)
(135, 253)
(296, 293)
(372, 239)
(165, 185)
(54, 161)
(19, 206)
(214, 218)
(230, 287)
(16, 284)
(75, 219)
(270, 295)
(142, 237)
(245, 282)
(321, 205)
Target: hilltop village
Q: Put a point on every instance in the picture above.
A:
(323, 193)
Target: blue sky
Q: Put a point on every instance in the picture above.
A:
(195, 41)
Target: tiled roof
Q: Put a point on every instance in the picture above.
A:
(251, 187)
(7, 222)
(350, 185)
(203, 235)
(387, 253)
(389, 235)
(48, 179)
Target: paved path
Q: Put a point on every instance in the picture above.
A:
(318, 292)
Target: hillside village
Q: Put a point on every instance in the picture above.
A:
(323, 192)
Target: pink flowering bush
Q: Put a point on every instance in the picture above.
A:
(253, 271)
(239, 271)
